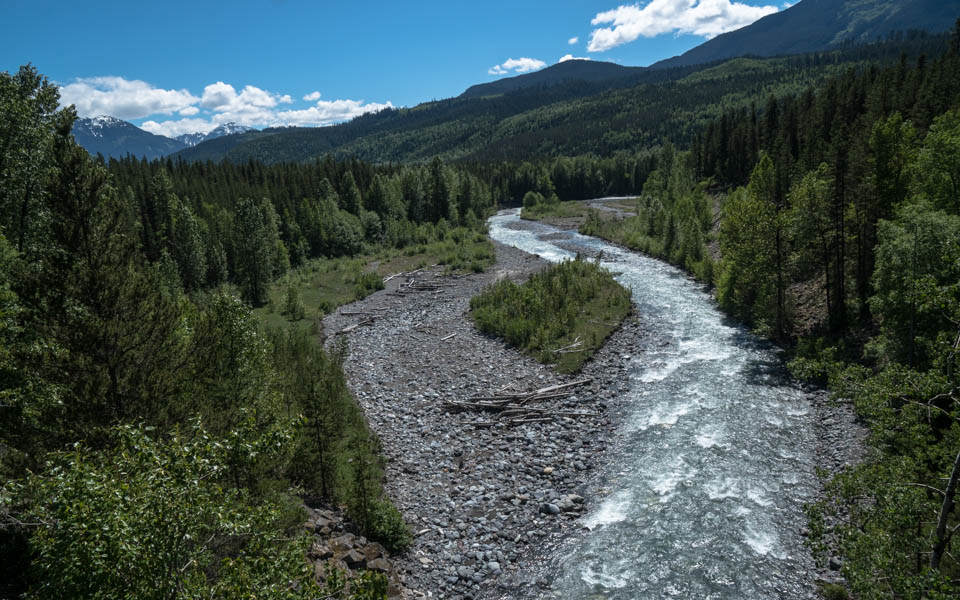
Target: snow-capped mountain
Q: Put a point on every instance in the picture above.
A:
(115, 138)
(192, 139)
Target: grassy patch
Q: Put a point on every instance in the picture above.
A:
(323, 284)
(561, 210)
(574, 305)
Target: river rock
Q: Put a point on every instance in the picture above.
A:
(549, 508)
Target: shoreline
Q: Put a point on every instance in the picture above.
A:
(479, 500)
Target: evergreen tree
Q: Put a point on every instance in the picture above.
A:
(256, 251)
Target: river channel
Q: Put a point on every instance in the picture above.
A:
(702, 496)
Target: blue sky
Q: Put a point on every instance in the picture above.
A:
(177, 66)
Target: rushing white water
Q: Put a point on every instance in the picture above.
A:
(716, 456)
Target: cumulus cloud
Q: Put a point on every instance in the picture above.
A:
(223, 97)
(122, 98)
(573, 41)
(220, 103)
(250, 106)
(707, 18)
(567, 57)
(173, 128)
(326, 112)
(517, 65)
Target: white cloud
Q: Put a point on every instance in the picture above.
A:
(573, 41)
(326, 112)
(220, 103)
(517, 65)
(179, 127)
(122, 98)
(223, 97)
(707, 18)
(567, 57)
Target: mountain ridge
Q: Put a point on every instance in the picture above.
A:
(818, 25)
(116, 138)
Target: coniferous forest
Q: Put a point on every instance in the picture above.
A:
(823, 212)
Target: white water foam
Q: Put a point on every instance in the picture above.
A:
(763, 541)
(710, 436)
(758, 497)
(665, 416)
(723, 488)
(611, 510)
(666, 482)
(603, 578)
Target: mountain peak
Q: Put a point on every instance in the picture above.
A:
(562, 72)
(192, 139)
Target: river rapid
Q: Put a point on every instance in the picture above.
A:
(702, 496)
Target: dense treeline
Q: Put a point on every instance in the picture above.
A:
(674, 216)
(864, 126)
(567, 178)
(152, 435)
(248, 224)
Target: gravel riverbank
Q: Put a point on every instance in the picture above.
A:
(487, 503)
(479, 499)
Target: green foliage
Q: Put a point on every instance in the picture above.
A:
(574, 304)
(293, 307)
(336, 457)
(166, 528)
(751, 242)
(366, 284)
(387, 525)
(256, 250)
(31, 126)
(833, 591)
(938, 163)
(672, 221)
(917, 282)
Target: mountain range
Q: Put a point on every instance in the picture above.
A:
(580, 106)
(115, 138)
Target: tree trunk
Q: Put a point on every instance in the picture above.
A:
(945, 510)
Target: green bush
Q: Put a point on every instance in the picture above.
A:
(573, 303)
(832, 591)
(366, 284)
(388, 527)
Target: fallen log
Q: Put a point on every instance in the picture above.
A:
(561, 386)
(350, 328)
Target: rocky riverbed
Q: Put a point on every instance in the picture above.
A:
(479, 499)
(486, 503)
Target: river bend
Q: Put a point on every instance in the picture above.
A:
(703, 494)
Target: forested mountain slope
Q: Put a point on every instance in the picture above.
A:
(571, 118)
(818, 25)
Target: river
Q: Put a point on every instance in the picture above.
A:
(702, 496)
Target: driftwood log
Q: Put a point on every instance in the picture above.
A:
(515, 409)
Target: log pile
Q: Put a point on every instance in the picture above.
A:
(515, 408)
(369, 316)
